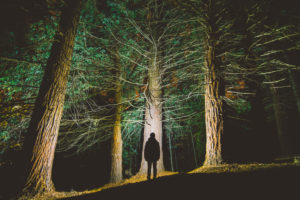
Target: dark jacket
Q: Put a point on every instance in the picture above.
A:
(152, 151)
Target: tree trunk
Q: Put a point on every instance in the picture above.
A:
(214, 90)
(117, 143)
(171, 152)
(194, 150)
(214, 84)
(41, 138)
(153, 112)
(295, 88)
(283, 136)
(176, 161)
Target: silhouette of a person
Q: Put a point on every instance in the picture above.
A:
(152, 154)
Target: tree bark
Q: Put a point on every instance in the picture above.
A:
(153, 111)
(117, 143)
(214, 90)
(171, 153)
(153, 106)
(42, 133)
(210, 18)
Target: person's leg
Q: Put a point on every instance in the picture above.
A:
(154, 170)
(149, 170)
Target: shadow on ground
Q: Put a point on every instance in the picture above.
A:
(281, 183)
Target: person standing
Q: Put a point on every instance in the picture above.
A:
(152, 154)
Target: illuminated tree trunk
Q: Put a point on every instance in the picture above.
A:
(153, 107)
(210, 17)
(214, 90)
(42, 133)
(153, 112)
(117, 143)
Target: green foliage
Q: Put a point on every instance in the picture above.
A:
(242, 106)
(21, 74)
(252, 48)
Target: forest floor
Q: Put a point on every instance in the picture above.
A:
(242, 181)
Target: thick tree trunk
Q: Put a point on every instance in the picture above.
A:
(42, 133)
(117, 143)
(214, 86)
(153, 112)
(214, 90)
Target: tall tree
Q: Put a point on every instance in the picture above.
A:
(153, 107)
(214, 87)
(210, 16)
(102, 89)
(153, 111)
(42, 135)
(160, 41)
(116, 146)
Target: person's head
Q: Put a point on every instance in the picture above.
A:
(152, 135)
